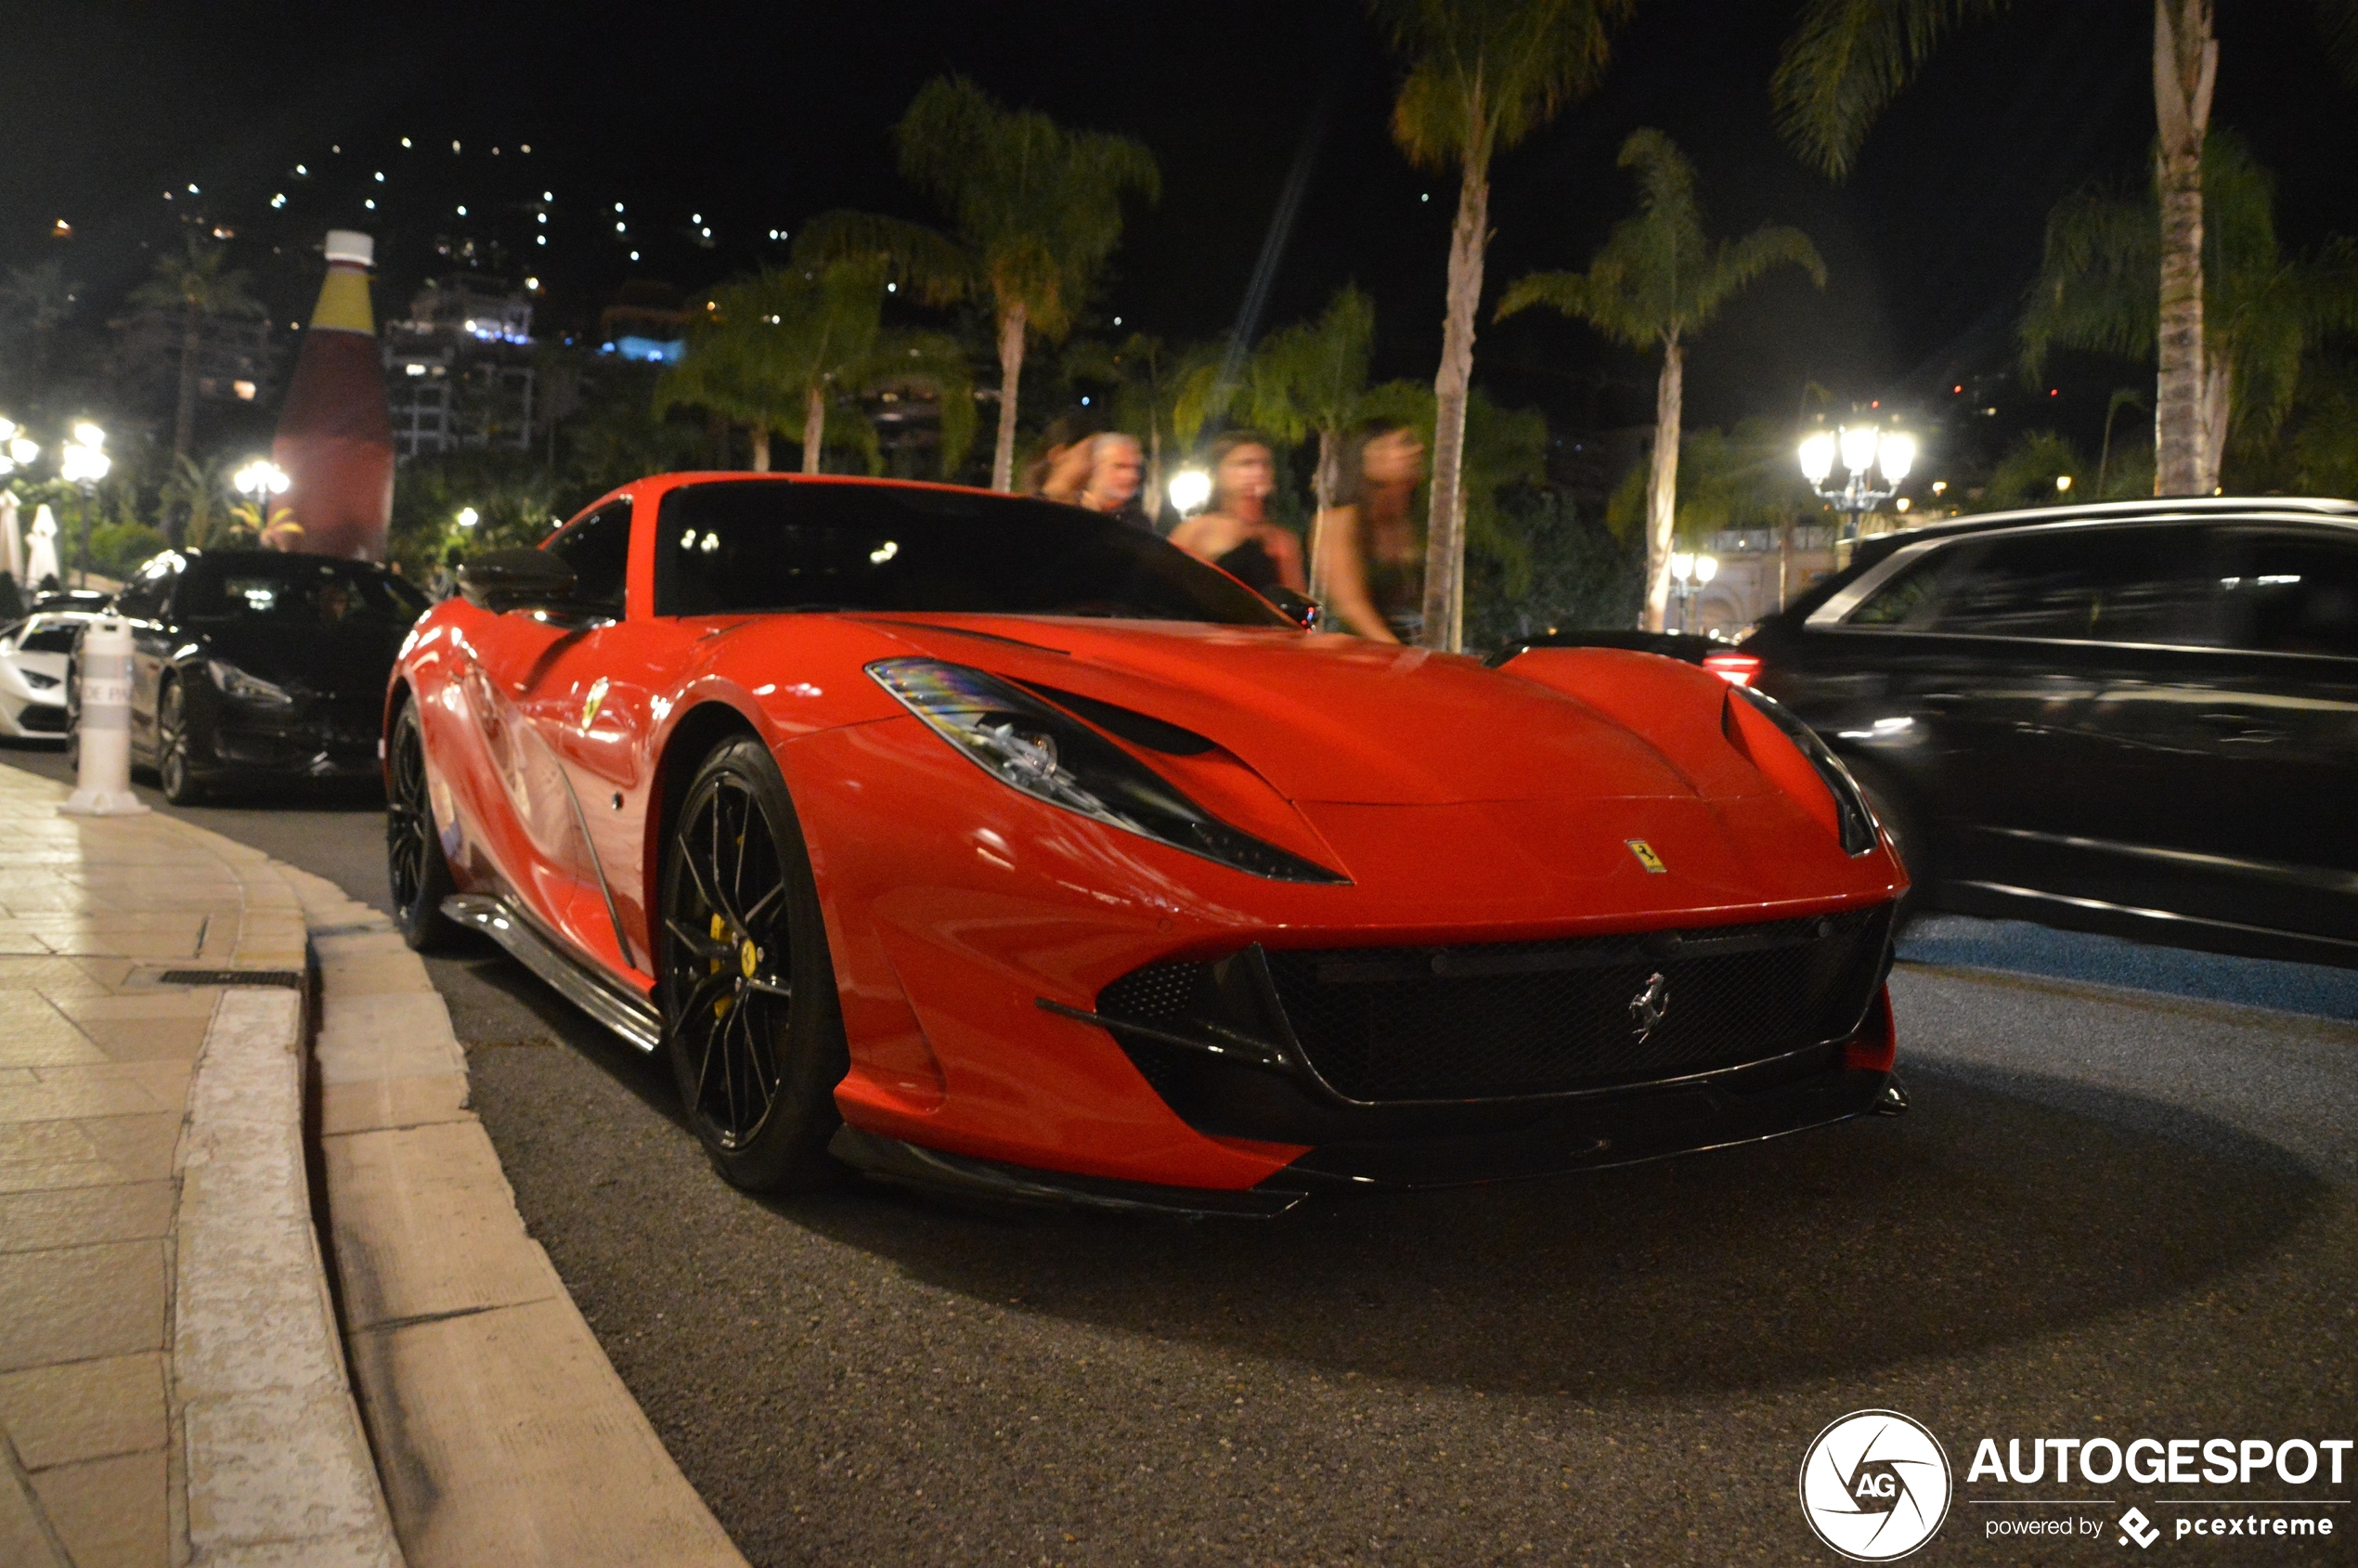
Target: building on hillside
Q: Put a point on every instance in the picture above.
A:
(236, 360)
(459, 368)
(647, 321)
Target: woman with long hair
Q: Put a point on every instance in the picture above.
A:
(1370, 560)
(1234, 531)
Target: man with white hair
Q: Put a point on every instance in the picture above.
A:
(1115, 469)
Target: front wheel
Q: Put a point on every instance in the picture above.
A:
(416, 866)
(171, 747)
(751, 1019)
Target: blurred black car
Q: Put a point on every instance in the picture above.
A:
(257, 664)
(2139, 719)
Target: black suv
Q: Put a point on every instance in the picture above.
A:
(2140, 718)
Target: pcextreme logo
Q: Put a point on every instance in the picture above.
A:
(1875, 1485)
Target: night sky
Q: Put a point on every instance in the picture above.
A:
(754, 117)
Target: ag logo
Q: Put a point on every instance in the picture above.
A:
(1875, 1485)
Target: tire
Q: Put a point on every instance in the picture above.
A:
(173, 776)
(415, 866)
(752, 1022)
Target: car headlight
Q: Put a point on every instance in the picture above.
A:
(238, 686)
(1856, 822)
(1050, 756)
(37, 681)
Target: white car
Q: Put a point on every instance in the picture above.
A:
(34, 655)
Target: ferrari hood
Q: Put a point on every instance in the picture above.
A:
(1326, 718)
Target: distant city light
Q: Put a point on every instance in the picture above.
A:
(540, 217)
(547, 196)
(462, 211)
(634, 255)
(532, 285)
(893, 288)
(194, 191)
(622, 228)
(2063, 483)
(405, 141)
(1117, 320)
(415, 369)
(526, 150)
(696, 217)
(707, 234)
(454, 147)
(279, 200)
(617, 206)
(469, 517)
(301, 169)
(370, 203)
(380, 176)
(542, 240)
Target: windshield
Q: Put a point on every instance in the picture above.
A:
(294, 590)
(738, 546)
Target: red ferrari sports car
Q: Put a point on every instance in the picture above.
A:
(984, 843)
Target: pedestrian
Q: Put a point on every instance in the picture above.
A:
(1234, 531)
(1061, 471)
(1370, 561)
(444, 580)
(1117, 467)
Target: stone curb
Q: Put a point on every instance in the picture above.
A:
(501, 1432)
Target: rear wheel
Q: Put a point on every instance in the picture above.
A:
(751, 1018)
(414, 861)
(171, 747)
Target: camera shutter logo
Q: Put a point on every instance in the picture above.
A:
(1875, 1485)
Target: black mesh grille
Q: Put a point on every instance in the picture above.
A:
(1497, 1020)
(1160, 993)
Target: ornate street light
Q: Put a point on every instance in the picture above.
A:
(1690, 574)
(16, 449)
(1862, 450)
(82, 462)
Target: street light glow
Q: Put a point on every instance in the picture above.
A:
(1897, 455)
(1682, 564)
(1858, 443)
(1706, 568)
(1189, 489)
(2063, 482)
(1817, 457)
(469, 517)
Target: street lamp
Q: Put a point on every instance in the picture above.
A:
(469, 517)
(260, 479)
(82, 464)
(1689, 574)
(17, 448)
(1189, 491)
(1863, 450)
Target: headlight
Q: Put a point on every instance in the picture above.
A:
(241, 687)
(1050, 756)
(1856, 822)
(36, 681)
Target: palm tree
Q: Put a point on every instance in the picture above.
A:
(2262, 310)
(1482, 74)
(1035, 213)
(1658, 280)
(1848, 58)
(200, 283)
(777, 351)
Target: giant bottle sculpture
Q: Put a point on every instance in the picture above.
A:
(335, 441)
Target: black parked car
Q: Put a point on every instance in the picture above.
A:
(2139, 719)
(257, 665)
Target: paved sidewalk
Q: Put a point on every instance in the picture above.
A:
(109, 1382)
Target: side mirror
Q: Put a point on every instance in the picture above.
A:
(1295, 607)
(501, 581)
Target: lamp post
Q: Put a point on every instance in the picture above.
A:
(16, 449)
(1689, 574)
(260, 479)
(1189, 491)
(1863, 450)
(82, 464)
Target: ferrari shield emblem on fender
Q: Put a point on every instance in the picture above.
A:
(1647, 1008)
(1646, 856)
(591, 706)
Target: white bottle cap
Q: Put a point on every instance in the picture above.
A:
(351, 245)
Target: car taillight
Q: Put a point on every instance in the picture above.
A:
(1735, 667)
(1876, 1045)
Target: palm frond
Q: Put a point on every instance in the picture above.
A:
(1845, 63)
(934, 267)
(1483, 74)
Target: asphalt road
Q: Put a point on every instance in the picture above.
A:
(2113, 1211)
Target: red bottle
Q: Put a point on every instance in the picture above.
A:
(334, 440)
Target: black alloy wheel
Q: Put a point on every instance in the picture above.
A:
(414, 861)
(171, 747)
(751, 1019)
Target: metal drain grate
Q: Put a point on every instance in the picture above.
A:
(290, 978)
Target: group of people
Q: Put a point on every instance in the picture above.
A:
(1369, 560)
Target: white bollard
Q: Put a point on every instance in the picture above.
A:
(102, 729)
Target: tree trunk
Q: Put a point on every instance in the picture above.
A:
(1151, 496)
(1003, 455)
(761, 446)
(1446, 528)
(2218, 388)
(184, 422)
(1322, 496)
(1662, 485)
(814, 430)
(2185, 64)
